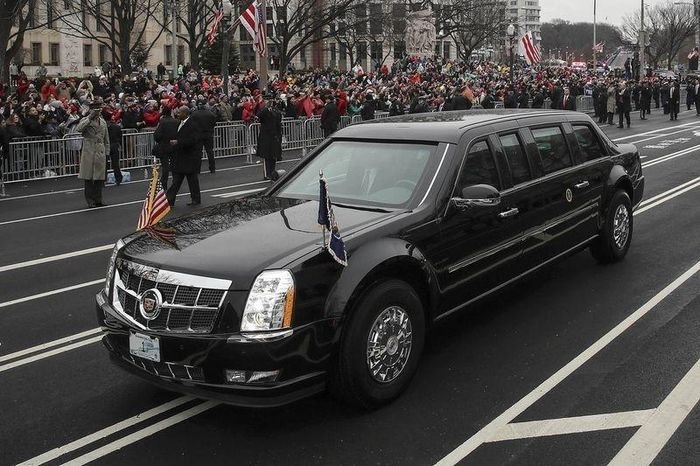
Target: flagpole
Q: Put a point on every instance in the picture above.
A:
(595, 40)
(263, 59)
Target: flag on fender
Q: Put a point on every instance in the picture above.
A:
(156, 205)
(326, 218)
(529, 50)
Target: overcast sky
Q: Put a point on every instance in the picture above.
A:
(609, 11)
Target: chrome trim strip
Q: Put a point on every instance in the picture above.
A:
(522, 238)
(514, 279)
(194, 281)
(437, 172)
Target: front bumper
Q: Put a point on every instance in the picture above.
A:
(195, 364)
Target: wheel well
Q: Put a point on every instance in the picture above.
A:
(400, 268)
(626, 185)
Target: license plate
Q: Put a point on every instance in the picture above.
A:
(144, 346)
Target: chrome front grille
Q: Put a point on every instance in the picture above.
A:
(190, 303)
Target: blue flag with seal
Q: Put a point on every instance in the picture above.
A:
(326, 218)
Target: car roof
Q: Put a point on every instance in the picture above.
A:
(438, 126)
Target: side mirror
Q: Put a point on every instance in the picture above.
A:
(479, 195)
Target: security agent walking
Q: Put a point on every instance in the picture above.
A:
(674, 100)
(187, 158)
(624, 105)
(165, 132)
(270, 138)
(206, 121)
(330, 118)
(93, 156)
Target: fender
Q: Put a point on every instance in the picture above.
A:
(617, 179)
(369, 263)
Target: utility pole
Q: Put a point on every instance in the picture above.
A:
(642, 46)
(226, 33)
(263, 58)
(696, 13)
(173, 32)
(595, 40)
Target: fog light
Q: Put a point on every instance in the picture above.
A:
(252, 377)
(235, 376)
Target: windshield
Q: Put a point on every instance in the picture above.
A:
(379, 174)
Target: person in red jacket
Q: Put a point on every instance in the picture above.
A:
(305, 107)
(151, 116)
(342, 103)
(49, 88)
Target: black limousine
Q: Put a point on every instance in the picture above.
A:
(241, 302)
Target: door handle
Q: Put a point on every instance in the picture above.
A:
(582, 185)
(509, 213)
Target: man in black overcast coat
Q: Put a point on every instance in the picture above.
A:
(187, 157)
(206, 121)
(330, 117)
(165, 132)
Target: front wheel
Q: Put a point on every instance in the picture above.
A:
(615, 236)
(381, 346)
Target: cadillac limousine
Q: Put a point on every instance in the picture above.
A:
(241, 302)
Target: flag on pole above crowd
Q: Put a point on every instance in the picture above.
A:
(326, 218)
(598, 48)
(214, 26)
(253, 21)
(156, 205)
(529, 50)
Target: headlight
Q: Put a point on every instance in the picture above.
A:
(111, 266)
(270, 303)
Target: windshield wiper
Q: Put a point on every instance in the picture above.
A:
(368, 209)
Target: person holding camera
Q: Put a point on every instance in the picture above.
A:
(93, 155)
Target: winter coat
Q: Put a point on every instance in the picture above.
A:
(612, 104)
(187, 156)
(93, 156)
(270, 135)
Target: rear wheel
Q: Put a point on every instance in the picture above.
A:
(615, 236)
(381, 346)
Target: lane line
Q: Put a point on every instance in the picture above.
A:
(107, 431)
(672, 155)
(51, 344)
(121, 204)
(58, 257)
(48, 354)
(572, 425)
(666, 193)
(689, 128)
(659, 130)
(666, 199)
(143, 433)
(488, 431)
(72, 190)
(50, 293)
(649, 440)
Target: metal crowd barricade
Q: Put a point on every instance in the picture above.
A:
(137, 149)
(345, 121)
(313, 134)
(252, 140)
(231, 140)
(585, 104)
(356, 119)
(381, 115)
(547, 103)
(35, 157)
(293, 135)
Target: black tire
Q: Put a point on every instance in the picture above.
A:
(352, 381)
(609, 248)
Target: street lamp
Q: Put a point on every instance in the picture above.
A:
(510, 31)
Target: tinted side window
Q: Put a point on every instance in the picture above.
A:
(588, 141)
(479, 168)
(553, 149)
(520, 170)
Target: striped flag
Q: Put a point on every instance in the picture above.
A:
(253, 20)
(214, 26)
(529, 50)
(326, 218)
(156, 205)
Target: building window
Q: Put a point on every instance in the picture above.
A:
(32, 15)
(448, 52)
(334, 55)
(376, 52)
(398, 11)
(36, 53)
(102, 51)
(361, 17)
(247, 56)
(53, 54)
(87, 54)
(181, 54)
(399, 49)
(375, 19)
(168, 55)
(270, 30)
(49, 14)
(83, 13)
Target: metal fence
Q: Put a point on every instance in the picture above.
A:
(585, 104)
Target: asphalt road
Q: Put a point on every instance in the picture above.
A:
(579, 365)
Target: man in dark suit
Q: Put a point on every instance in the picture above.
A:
(206, 121)
(165, 132)
(330, 117)
(624, 104)
(674, 100)
(187, 158)
(270, 138)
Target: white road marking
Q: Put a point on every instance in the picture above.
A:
(51, 293)
(58, 257)
(666, 199)
(660, 130)
(48, 354)
(143, 433)
(121, 204)
(671, 156)
(107, 431)
(670, 191)
(695, 128)
(649, 440)
(238, 193)
(73, 190)
(571, 425)
(487, 432)
(51, 344)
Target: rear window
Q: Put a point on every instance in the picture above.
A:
(553, 149)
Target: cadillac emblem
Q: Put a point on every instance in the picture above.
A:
(149, 303)
(569, 195)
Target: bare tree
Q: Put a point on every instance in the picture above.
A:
(193, 19)
(473, 24)
(119, 25)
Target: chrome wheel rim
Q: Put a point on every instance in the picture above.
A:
(389, 344)
(621, 226)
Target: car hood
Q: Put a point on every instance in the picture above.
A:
(238, 239)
